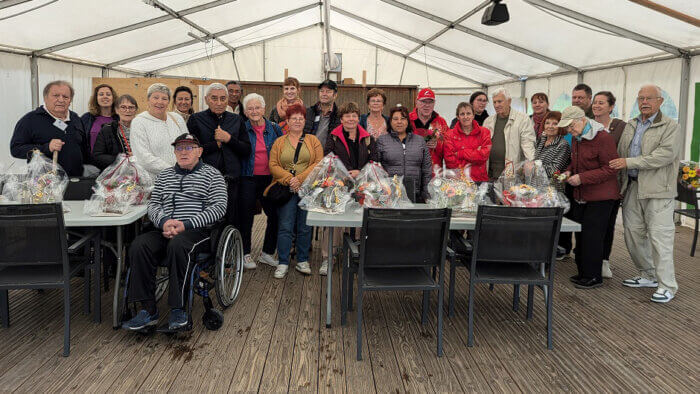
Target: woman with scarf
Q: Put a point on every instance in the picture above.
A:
(183, 100)
(540, 108)
(291, 94)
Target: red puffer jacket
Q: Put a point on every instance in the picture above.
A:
(438, 127)
(474, 149)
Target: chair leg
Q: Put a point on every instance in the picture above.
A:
(530, 297)
(351, 285)
(426, 302)
(359, 324)
(470, 315)
(549, 317)
(695, 238)
(491, 286)
(441, 291)
(87, 289)
(66, 320)
(451, 301)
(516, 298)
(344, 292)
(4, 308)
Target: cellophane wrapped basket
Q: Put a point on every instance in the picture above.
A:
(375, 188)
(41, 181)
(328, 187)
(120, 186)
(454, 189)
(527, 185)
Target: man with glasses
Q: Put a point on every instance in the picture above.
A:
(187, 200)
(429, 124)
(649, 151)
(224, 141)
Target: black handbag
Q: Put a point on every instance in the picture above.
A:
(279, 194)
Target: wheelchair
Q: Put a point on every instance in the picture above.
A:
(218, 268)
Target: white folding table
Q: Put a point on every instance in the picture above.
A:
(354, 219)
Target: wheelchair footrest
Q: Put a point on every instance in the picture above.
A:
(164, 329)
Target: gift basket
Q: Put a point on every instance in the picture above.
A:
(43, 181)
(327, 188)
(119, 186)
(528, 185)
(454, 189)
(375, 188)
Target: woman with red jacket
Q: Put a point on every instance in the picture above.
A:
(595, 191)
(468, 144)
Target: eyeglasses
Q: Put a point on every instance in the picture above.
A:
(127, 108)
(299, 119)
(378, 101)
(187, 148)
(642, 99)
(256, 108)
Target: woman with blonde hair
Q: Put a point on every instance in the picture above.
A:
(291, 94)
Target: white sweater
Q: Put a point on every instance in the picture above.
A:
(151, 140)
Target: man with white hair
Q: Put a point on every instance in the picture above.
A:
(224, 141)
(649, 151)
(512, 135)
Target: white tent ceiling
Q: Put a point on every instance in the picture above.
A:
(542, 37)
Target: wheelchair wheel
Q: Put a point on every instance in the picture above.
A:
(229, 266)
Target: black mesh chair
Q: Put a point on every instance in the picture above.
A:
(690, 197)
(36, 255)
(513, 246)
(398, 249)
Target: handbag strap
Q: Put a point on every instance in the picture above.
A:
(296, 153)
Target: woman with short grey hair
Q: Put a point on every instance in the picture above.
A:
(153, 131)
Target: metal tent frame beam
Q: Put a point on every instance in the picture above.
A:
(128, 28)
(385, 49)
(216, 36)
(622, 32)
(186, 62)
(431, 46)
(456, 25)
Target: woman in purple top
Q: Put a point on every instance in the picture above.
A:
(102, 109)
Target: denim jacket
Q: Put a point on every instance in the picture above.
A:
(271, 133)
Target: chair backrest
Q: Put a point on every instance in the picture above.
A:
(410, 186)
(32, 234)
(403, 237)
(79, 189)
(516, 235)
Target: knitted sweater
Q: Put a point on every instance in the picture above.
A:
(197, 198)
(151, 140)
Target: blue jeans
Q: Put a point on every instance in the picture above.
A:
(290, 215)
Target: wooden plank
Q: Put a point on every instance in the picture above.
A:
(332, 368)
(306, 347)
(359, 375)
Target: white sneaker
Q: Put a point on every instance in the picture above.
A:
(662, 296)
(605, 270)
(281, 271)
(640, 282)
(268, 259)
(323, 271)
(303, 267)
(248, 263)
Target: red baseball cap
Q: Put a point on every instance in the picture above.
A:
(426, 93)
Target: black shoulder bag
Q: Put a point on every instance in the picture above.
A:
(279, 194)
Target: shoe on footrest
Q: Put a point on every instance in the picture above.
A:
(638, 281)
(177, 319)
(142, 320)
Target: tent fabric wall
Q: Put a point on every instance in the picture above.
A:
(16, 99)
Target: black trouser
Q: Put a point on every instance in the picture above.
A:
(150, 250)
(565, 237)
(232, 189)
(594, 217)
(610, 233)
(250, 191)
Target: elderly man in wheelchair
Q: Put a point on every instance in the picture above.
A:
(187, 201)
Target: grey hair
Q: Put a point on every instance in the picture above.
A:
(215, 86)
(253, 96)
(502, 91)
(158, 87)
(58, 83)
(659, 92)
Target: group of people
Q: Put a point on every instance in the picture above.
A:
(218, 164)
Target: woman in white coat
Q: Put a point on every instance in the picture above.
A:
(153, 131)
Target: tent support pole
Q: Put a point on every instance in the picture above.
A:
(403, 67)
(327, 29)
(376, 63)
(34, 80)
(579, 77)
(235, 66)
(105, 72)
(263, 60)
(683, 101)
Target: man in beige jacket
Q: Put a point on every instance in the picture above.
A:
(512, 135)
(649, 152)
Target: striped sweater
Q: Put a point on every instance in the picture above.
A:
(197, 198)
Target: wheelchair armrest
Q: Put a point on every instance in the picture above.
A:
(351, 245)
(77, 245)
(450, 252)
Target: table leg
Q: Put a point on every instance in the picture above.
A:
(329, 286)
(117, 280)
(97, 308)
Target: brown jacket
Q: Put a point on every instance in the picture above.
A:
(589, 159)
(282, 176)
(616, 127)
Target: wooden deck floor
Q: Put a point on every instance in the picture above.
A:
(611, 339)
